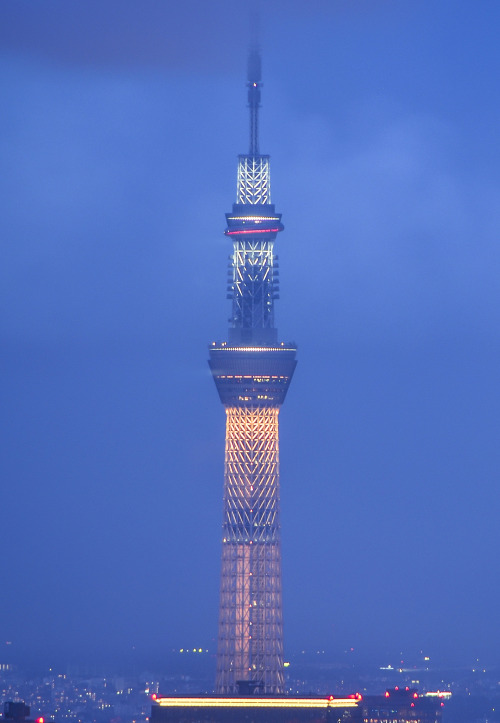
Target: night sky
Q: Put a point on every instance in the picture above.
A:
(120, 124)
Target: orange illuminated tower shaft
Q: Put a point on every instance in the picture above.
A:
(252, 371)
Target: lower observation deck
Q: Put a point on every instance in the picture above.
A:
(252, 375)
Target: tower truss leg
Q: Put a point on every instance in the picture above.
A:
(250, 645)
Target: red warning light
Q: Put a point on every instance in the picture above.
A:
(387, 694)
(407, 688)
(331, 697)
(442, 705)
(40, 720)
(358, 696)
(397, 687)
(415, 695)
(153, 697)
(412, 705)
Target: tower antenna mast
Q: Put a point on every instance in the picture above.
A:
(254, 77)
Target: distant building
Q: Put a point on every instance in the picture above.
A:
(253, 709)
(401, 705)
(18, 712)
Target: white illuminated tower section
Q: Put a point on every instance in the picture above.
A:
(252, 371)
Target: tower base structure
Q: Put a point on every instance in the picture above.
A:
(211, 709)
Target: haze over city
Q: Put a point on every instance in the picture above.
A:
(119, 133)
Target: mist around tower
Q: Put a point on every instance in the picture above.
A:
(121, 128)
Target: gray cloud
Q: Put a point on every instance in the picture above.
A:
(189, 35)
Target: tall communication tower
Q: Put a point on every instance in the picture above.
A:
(252, 371)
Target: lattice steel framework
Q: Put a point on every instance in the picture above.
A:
(251, 625)
(252, 373)
(254, 180)
(254, 277)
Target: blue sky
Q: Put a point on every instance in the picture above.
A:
(119, 132)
